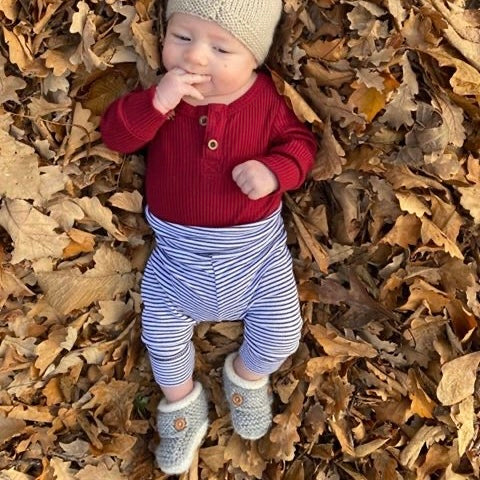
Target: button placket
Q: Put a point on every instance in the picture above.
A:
(213, 137)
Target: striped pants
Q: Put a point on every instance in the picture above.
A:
(197, 274)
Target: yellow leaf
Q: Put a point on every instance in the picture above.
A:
(367, 448)
(19, 173)
(422, 404)
(213, 457)
(422, 293)
(425, 435)
(81, 242)
(368, 101)
(100, 471)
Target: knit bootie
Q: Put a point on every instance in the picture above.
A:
(250, 402)
(181, 427)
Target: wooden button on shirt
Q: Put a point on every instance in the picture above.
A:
(212, 144)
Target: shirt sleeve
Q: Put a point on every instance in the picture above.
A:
(292, 149)
(131, 121)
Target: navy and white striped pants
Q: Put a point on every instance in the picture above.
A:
(197, 274)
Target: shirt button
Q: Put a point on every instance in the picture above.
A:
(202, 120)
(212, 144)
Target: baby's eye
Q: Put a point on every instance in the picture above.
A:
(221, 50)
(181, 37)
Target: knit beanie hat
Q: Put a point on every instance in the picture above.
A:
(252, 22)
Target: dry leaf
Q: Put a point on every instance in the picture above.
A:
(68, 290)
(32, 232)
(454, 388)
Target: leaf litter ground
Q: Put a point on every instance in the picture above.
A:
(384, 235)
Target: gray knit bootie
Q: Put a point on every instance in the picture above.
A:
(181, 427)
(250, 402)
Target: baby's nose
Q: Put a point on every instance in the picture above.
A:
(196, 54)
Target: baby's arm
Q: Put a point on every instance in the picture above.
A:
(132, 121)
(286, 164)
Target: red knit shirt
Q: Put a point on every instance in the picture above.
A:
(192, 154)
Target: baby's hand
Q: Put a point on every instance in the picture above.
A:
(254, 179)
(175, 85)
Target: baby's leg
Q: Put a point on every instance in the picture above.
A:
(272, 325)
(272, 328)
(167, 334)
(182, 416)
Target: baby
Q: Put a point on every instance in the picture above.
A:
(222, 149)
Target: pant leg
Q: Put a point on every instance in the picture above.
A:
(272, 324)
(166, 333)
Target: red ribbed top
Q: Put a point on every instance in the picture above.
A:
(192, 154)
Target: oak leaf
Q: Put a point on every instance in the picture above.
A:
(284, 434)
(245, 455)
(101, 215)
(83, 23)
(301, 108)
(9, 84)
(330, 157)
(129, 201)
(469, 200)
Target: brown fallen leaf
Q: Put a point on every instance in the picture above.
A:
(454, 388)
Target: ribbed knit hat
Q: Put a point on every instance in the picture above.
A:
(252, 22)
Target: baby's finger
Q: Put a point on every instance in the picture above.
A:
(254, 195)
(194, 93)
(237, 173)
(177, 71)
(193, 78)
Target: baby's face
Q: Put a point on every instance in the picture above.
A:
(203, 47)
